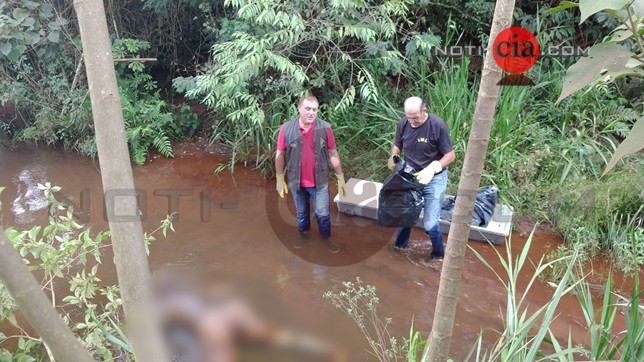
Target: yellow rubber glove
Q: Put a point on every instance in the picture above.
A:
(391, 164)
(342, 187)
(426, 175)
(282, 188)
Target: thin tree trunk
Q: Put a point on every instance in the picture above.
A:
(441, 334)
(118, 183)
(36, 307)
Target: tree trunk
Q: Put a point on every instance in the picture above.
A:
(116, 173)
(445, 311)
(35, 306)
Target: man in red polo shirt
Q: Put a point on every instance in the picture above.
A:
(305, 146)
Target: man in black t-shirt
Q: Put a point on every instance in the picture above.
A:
(424, 140)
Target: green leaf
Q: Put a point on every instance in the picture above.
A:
(622, 33)
(562, 6)
(31, 5)
(590, 7)
(29, 21)
(32, 38)
(124, 344)
(5, 48)
(12, 319)
(54, 36)
(46, 10)
(14, 56)
(5, 356)
(70, 299)
(631, 144)
(33, 233)
(638, 9)
(605, 60)
(25, 358)
(20, 48)
(20, 14)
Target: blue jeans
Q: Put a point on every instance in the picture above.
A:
(320, 198)
(433, 193)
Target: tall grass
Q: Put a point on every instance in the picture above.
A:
(525, 335)
(605, 343)
(516, 342)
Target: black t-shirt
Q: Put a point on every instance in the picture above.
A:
(422, 145)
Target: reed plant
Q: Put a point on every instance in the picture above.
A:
(359, 301)
(517, 341)
(605, 342)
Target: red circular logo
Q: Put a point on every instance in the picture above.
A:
(515, 50)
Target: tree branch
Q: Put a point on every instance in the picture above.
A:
(36, 307)
(119, 60)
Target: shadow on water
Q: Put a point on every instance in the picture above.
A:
(234, 228)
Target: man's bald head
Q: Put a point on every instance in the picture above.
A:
(415, 111)
(414, 104)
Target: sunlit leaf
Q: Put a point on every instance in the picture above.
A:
(638, 9)
(605, 61)
(590, 7)
(631, 144)
(622, 33)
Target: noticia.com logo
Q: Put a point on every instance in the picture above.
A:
(515, 50)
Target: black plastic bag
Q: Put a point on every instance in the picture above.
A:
(400, 201)
(484, 205)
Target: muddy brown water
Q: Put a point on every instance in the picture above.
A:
(232, 227)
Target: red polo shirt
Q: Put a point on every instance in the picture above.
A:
(307, 168)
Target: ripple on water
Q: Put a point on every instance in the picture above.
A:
(29, 198)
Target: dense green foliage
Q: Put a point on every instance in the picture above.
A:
(44, 91)
(65, 253)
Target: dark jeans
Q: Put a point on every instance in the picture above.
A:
(433, 193)
(320, 198)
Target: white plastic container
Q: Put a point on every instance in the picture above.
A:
(362, 200)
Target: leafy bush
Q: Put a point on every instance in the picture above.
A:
(603, 215)
(360, 303)
(149, 121)
(66, 252)
(516, 342)
(272, 52)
